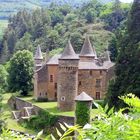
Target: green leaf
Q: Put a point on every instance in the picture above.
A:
(58, 132)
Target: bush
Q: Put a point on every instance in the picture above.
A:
(42, 120)
(82, 113)
(100, 102)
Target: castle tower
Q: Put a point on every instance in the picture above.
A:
(67, 79)
(87, 52)
(38, 58)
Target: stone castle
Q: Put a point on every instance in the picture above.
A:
(64, 76)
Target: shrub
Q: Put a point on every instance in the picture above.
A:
(42, 120)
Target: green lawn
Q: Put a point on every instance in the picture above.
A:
(10, 123)
(52, 107)
(3, 25)
(49, 106)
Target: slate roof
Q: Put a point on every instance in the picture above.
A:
(68, 52)
(87, 49)
(38, 54)
(84, 65)
(83, 97)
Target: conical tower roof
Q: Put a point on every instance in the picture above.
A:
(38, 54)
(87, 49)
(69, 52)
(83, 97)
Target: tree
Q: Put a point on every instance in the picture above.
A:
(128, 61)
(90, 15)
(24, 43)
(21, 72)
(113, 48)
(3, 78)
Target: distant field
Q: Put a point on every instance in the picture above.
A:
(3, 25)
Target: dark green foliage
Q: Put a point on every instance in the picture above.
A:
(112, 47)
(3, 78)
(82, 113)
(1, 121)
(114, 14)
(43, 120)
(128, 62)
(21, 72)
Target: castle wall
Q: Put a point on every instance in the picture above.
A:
(67, 84)
(40, 84)
(93, 82)
(52, 82)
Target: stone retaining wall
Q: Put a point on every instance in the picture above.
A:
(18, 104)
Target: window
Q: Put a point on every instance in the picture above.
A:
(80, 83)
(90, 72)
(100, 72)
(55, 86)
(51, 78)
(55, 95)
(98, 82)
(97, 95)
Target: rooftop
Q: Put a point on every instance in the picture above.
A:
(68, 52)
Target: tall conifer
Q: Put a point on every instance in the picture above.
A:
(128, 62)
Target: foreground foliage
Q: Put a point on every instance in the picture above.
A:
(108, 125)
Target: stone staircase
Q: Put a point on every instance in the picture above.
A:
(24, 113)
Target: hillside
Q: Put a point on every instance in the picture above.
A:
(10, 7)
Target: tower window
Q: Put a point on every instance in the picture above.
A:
(97, 95)
(98, 82)
(90, 72)
(51, 78)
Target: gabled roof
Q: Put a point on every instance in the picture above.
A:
(87, 49)
(83, 97)
(38, 54)
(68, 52)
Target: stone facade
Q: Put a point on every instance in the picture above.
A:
(64, 76)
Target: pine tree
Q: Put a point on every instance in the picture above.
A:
(128, 62)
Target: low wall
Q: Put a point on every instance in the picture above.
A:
(69, 120)
(18, 104)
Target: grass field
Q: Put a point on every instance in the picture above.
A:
(3, 25)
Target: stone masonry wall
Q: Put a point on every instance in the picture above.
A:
(18, 104)
(67, 84)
